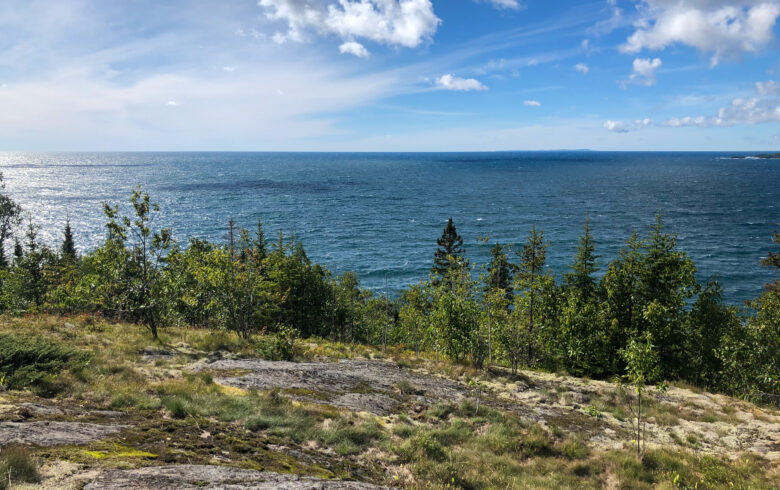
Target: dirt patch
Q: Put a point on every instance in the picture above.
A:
(54, 433)
(357, 385)
(205, 476)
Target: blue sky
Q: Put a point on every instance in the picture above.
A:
(389, 75)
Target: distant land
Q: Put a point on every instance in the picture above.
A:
(764, 156)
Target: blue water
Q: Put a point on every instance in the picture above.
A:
(380, 214)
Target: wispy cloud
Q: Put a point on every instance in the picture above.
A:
(532, 103)
(582, 68)
(504, 4)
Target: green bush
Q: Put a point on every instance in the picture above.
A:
(33, 362)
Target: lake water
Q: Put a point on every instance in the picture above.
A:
(380, 214)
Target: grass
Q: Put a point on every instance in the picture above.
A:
(17, 465)
(178, 416)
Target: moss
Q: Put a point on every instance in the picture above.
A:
(118, 451)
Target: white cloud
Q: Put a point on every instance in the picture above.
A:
(644, 71)
(229, 69)
(719, 27)
(354, 48)
(582, 68)
(769, 87)
(172, 103)
(741, 111)
(532, 103)
(450, 82)
(504, 4)
(625, 127)
(405, 23)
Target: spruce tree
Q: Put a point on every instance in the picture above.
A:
(530, 281)
(450, 253)
(581, 279)
(68, 245)
(499, 272)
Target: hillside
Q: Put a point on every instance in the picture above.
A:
(108, 407)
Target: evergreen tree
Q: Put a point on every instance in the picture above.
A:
(499, 272)
(260, 250)
(10, 216)
(773, 260)
(581, 334)
(68, 245)
(585, 265)
(530, 281)
(450, 253)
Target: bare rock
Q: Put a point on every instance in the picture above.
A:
(212, 477)
(54, 433)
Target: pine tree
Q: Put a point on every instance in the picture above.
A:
(68, 245)
(585, 265)
(529, 280)
(450, 253)
(499, 272)
(261, 252)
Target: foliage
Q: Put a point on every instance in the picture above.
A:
(17, 465)
(33, 362)
(449, 254)
(642, 367)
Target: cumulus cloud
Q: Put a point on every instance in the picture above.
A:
(354, 48)
(717, 27)
(532, 103)
(625, 127)
(582, 68)
(741, 111)
(504, 4)
(644, 71)
(405, 23)
(450, 82)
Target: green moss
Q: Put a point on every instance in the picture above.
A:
(118, 451)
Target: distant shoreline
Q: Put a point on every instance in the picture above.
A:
(760, 156)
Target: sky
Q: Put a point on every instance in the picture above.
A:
(389, 75)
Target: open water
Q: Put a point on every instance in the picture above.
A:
(379, 214)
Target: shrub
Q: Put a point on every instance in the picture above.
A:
(33, 362)
(17, 466)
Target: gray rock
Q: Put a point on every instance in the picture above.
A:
(212, 477)
(54, 433)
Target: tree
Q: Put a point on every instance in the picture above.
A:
(707, 326)
(455, 316)
(124, 277)
(580, 320)
(581, 278)
(450, 253)
(773, 260)
(668, 282)
(623, 310)
(641, 369)
(68, 250)
(500, 272)
(10, 216)
(531, 281)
